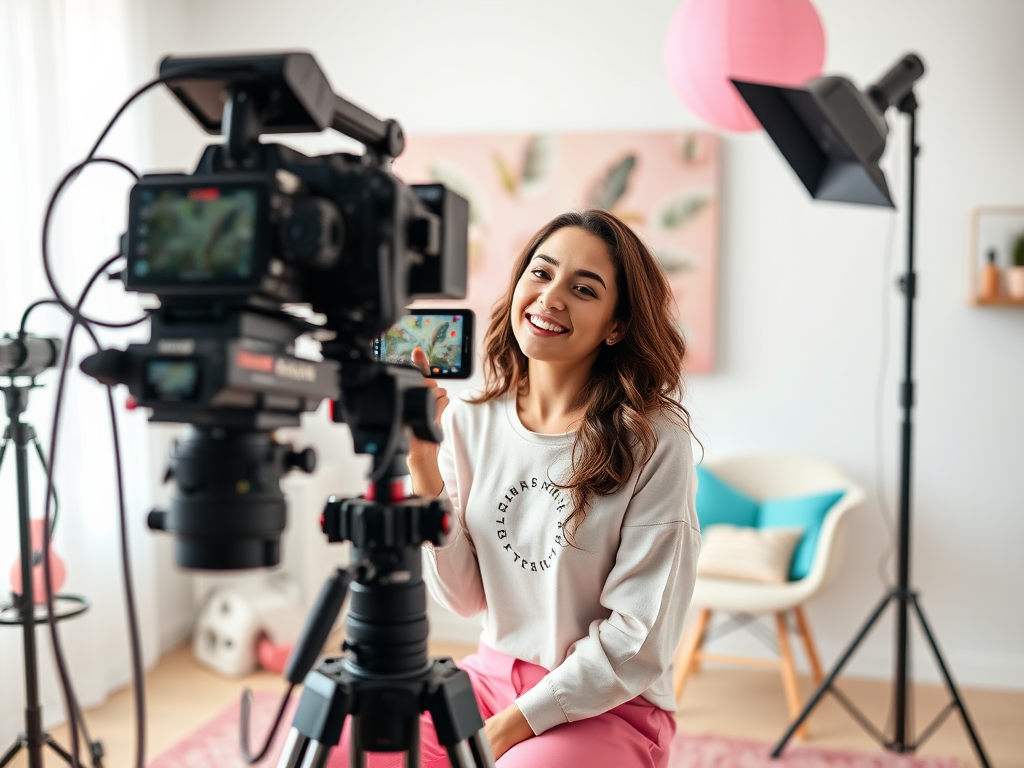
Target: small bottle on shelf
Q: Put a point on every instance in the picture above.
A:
(990, 278)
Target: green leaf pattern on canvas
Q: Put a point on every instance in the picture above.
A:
(537, 159)
(608, 190)
(682, 210)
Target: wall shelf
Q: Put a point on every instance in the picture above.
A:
(993, 228)
(999, 301)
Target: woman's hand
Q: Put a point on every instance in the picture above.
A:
(422, 459)
(506, 729)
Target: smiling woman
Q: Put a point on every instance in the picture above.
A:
(619, 362)
(571, 482)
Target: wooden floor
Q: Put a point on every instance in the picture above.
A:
(181, 696)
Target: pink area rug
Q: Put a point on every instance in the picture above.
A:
(215, 745)
(707, 751)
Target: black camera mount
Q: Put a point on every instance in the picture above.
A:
(387, 678)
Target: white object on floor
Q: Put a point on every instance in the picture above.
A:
(235, 617)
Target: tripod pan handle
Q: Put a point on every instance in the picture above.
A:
(318, 627)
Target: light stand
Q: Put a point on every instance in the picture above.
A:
(25, 611)
(833, 136)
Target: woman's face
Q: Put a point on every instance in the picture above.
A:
(563, 307)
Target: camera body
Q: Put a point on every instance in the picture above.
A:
(337, 232)
(224, 251)
(233, 251)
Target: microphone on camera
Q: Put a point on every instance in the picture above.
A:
(27, 355)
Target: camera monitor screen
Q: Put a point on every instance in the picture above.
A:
(172, 379)
(445, 335)
(187, 234)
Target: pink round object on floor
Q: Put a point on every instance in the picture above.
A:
(709, 41)
(272, 657)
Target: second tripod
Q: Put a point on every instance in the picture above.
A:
(25, 611)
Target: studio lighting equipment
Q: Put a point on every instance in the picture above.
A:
(833, 136)
(23, 357)
(23, 354)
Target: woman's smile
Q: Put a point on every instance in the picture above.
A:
(545, 326)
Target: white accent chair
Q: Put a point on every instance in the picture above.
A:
(767, 477)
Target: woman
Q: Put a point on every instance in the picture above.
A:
(571, 483)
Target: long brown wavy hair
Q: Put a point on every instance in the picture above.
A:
(631, 382)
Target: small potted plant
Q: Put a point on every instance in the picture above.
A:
(1015, 274)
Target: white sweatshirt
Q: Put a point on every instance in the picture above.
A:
(604, 616)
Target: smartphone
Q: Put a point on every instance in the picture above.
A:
(445, 335)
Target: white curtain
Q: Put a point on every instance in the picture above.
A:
(65, 67)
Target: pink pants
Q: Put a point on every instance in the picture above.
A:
(636, 734)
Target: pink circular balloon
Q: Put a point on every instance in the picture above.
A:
(770, 41)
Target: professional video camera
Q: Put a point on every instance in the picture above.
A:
(229, 250)
(257, 229)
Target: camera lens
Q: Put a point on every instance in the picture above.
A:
(228, 511)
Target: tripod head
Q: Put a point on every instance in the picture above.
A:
(386, 627)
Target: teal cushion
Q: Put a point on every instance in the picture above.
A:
(718, 502)
(807, 512)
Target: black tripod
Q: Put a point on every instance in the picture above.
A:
(387, 678)
(904, 598)
(24, 611)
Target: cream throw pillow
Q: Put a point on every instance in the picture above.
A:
(749, 554)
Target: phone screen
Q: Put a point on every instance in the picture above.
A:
(445, 335)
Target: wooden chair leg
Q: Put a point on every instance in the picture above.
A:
(789, 681)
(687, 651)
(696, 661)
(812, 653)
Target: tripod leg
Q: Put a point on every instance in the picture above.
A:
(481, 748)
(355, 747)
(457, 719)
(460, 755)
(15, 748)
(412, 756)
(294, 749)
(65, 755)
(95, 748)
(813, 702)
(316, 755)
(982, 757)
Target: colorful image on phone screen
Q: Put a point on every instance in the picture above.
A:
(439, 336)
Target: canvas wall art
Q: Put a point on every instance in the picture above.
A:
(664, 184)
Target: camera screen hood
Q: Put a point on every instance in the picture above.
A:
(291, 94)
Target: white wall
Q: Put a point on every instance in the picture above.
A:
(803, 285)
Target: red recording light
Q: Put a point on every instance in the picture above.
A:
(130, 403)
(204, 193)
